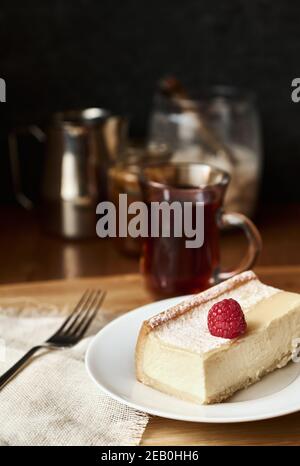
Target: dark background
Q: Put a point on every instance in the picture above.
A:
(62, 54)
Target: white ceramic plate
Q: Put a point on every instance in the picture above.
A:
(110, 363)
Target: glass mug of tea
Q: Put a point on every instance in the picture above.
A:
(170, 267)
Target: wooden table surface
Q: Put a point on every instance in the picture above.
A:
(126, 292)
(26, 254)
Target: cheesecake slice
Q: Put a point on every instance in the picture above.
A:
(176, 353)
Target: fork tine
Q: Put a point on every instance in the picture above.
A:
(85, 315)
(90, 316)
(77, 309)
(80, 315)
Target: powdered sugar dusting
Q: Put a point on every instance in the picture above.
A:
(189, 330)
(201, 298)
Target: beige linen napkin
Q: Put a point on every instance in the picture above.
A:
(53, 401)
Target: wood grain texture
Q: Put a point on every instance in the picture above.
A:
(28, 255)
(126, 292)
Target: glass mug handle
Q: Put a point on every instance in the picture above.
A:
(233, 219)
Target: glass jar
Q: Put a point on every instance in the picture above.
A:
(231, 117)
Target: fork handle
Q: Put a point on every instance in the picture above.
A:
(8, 375)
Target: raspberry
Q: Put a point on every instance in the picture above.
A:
(226, 319)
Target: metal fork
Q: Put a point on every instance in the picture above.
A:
(69, 333)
